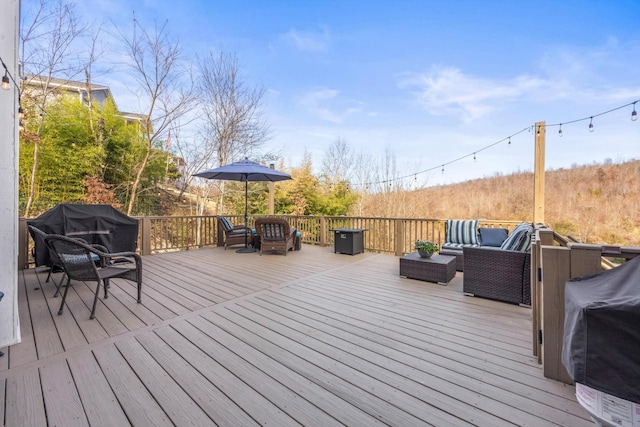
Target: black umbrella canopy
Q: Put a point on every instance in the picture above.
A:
(244, 171)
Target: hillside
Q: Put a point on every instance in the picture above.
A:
(595, 204)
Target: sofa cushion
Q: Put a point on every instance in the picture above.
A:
(520, 239)
(462, 231)
(492, 236)
(226, 224)
(456, 246)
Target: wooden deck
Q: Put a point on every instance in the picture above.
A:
(313, 338)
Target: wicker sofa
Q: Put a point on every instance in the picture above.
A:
(503, 273)
(498, 274)
(459, 234)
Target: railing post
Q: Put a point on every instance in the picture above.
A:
(543, 236)
(323, 231)
(556, 270)
(559, 264)
(220, 241)
(399, 237)
(23, 244)
(145, 238)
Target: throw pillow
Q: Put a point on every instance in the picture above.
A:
(492, 236)
(462, 231)
(226, 224)
(520, 239)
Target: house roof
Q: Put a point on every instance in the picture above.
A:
(79, 87)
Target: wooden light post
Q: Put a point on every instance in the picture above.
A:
(538, 174)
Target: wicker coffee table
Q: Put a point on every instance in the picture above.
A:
(439, 268)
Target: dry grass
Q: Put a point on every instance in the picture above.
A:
(595, 204)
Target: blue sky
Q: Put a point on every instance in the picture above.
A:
(429, 81)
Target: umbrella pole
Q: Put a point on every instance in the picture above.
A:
(246, 248)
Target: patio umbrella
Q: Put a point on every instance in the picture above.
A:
(244, 171)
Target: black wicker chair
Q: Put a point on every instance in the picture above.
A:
(39, 236)
(79, 263)
(498, 274)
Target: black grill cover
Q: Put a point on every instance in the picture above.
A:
(102, 224)
(601, 347)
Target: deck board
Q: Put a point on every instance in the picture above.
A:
(209, 359)
(313, 338)
(59, 388)
(137, 402)
(309, 390)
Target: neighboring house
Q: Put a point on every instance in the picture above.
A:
(55, 87)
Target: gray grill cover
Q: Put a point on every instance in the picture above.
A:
(601, 346)
(102, 224)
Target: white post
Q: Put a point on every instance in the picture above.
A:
(9, 319)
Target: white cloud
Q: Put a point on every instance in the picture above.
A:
(309, 41)
(448, 91)
(327, 105)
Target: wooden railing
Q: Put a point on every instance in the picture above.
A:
(554, 261)
(178, 233)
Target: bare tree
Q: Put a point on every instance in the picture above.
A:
(195, 152)
(48, 34)
(232, 114)
(337, 163)
(92, 57)
(156, 61)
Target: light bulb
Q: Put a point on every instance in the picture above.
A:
(634, 114)
(5, 81)
(560, 131)
(591, 125)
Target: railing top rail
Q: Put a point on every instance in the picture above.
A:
(627, 252)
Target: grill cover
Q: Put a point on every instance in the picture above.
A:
(601, 346)
(102, 224)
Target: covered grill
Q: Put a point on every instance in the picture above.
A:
(601, 346)
(101, 224)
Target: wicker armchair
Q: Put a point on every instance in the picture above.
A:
(498, 274)
(79, 264)
(235, 234)
(275, 234)
(38, 237)
(54, 264)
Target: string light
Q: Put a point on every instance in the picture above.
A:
(5, 80)
(6, 83)
(474, 157)
(530, 129)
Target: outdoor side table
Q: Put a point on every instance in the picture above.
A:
(348, 240)
(439, 268)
